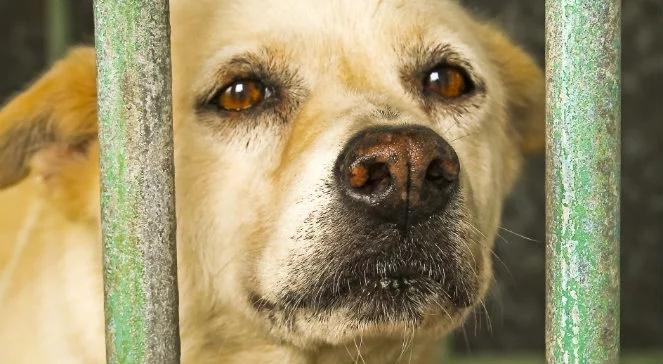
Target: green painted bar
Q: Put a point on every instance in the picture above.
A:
(58, 30)
(583, 53)
(137, 193)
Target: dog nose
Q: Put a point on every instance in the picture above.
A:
(400, 174)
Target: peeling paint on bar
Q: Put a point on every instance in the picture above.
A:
(137, 196)
(583, 54)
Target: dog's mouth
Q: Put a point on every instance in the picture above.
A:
(395, 284)
(383, 288)
(379, 290)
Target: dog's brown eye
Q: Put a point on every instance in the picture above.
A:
(447, 81)
(242, 95)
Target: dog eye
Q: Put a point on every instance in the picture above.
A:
(447, 81)
(242, 95)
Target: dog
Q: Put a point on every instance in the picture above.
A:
(340, 172)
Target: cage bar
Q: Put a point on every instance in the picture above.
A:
(137, 193)
(58, 31)
(583, 54)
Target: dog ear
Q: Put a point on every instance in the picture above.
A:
(524, 85)
(56, 115)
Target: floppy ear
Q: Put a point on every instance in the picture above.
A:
(524, 85)
(57, 114)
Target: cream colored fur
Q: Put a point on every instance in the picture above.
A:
(243, 191)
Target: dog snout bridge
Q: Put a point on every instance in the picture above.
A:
(583, 178)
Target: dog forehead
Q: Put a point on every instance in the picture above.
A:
(350, 36)
(320, 13)
(219, 22)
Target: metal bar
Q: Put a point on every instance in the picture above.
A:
(137, 194)
(583, 53)
(58, 31)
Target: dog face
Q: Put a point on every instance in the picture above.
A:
(341, 166)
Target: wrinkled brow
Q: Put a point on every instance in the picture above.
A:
(421, 57)
(264, 64)
(424, 56)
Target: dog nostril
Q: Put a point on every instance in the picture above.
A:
(435, 171)
(370, 178)
(442, 170)
(358, 176)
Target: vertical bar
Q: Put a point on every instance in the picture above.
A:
(58, 31)
(137, 194)
(583, 52)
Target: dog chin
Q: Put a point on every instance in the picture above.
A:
(399, 316)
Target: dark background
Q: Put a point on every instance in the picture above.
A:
(514, 317)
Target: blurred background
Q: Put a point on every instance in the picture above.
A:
(512, 324)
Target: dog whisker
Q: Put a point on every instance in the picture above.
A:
(520, 235)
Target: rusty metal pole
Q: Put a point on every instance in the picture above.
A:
(583, 54)
(137, 194)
